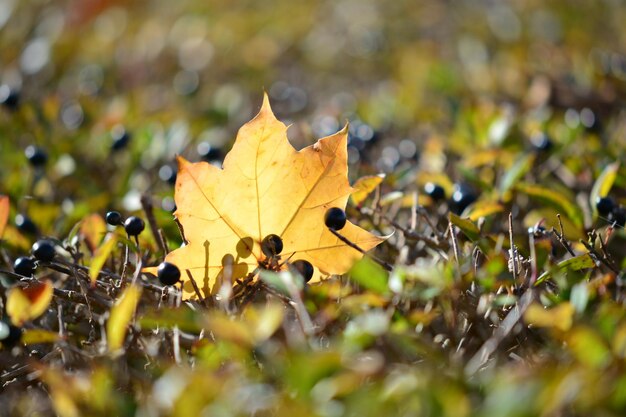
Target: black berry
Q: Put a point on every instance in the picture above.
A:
(120, 137)
(335, 218)
(25, 224)
(604, 205)
(618, 217)
(10, 335)
(434, 191)
(24, 266)
(168, 273)
(208, 152)
(304, 268)
(9, 97)
(538, 232)
(36, 156)
(541, 142)
(462, 197)
(114, 218)
(134, 226)
(272, 245)
(43, 250)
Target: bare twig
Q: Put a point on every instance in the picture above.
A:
(512, 250)
(382, 263)
(196, 289)
(489, 347)
(533, 259)
(146, 203)
(411, 234)
(560, 236)
(455, 244)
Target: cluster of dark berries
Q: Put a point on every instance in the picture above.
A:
(41, 251)
(462, 195)
(272, 246)
(133, 225)
(614, 213)
(168, 273)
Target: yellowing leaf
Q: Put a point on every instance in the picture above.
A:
(36, 336)
(121, 315)
(263, 322)
(484, 209)
(93, 229)
(28, 303)
(100, 257)
(265, 187)
(555, 199)
(234, 331)
(4, 213)
(364, 187)
(588, 347)
(559, 317)
(13, 237)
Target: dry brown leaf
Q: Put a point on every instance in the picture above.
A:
(265, 187)
(4, 213)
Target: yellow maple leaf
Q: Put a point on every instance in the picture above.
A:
(265, 187)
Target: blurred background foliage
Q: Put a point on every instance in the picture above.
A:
(500, 96)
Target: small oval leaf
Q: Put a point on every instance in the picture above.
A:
(121, 315)
(93, 229)
(100, 257)
(24, 304)
(36, 336)
(364, 186)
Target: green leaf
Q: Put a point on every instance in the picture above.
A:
(121, 315)
(284, 282)
(579, 296)
(573, 264)
(516, 172)
(485, 243)
(467, 226)
(554, 199)
(184, 318)
(370, 275)
(603, 185)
